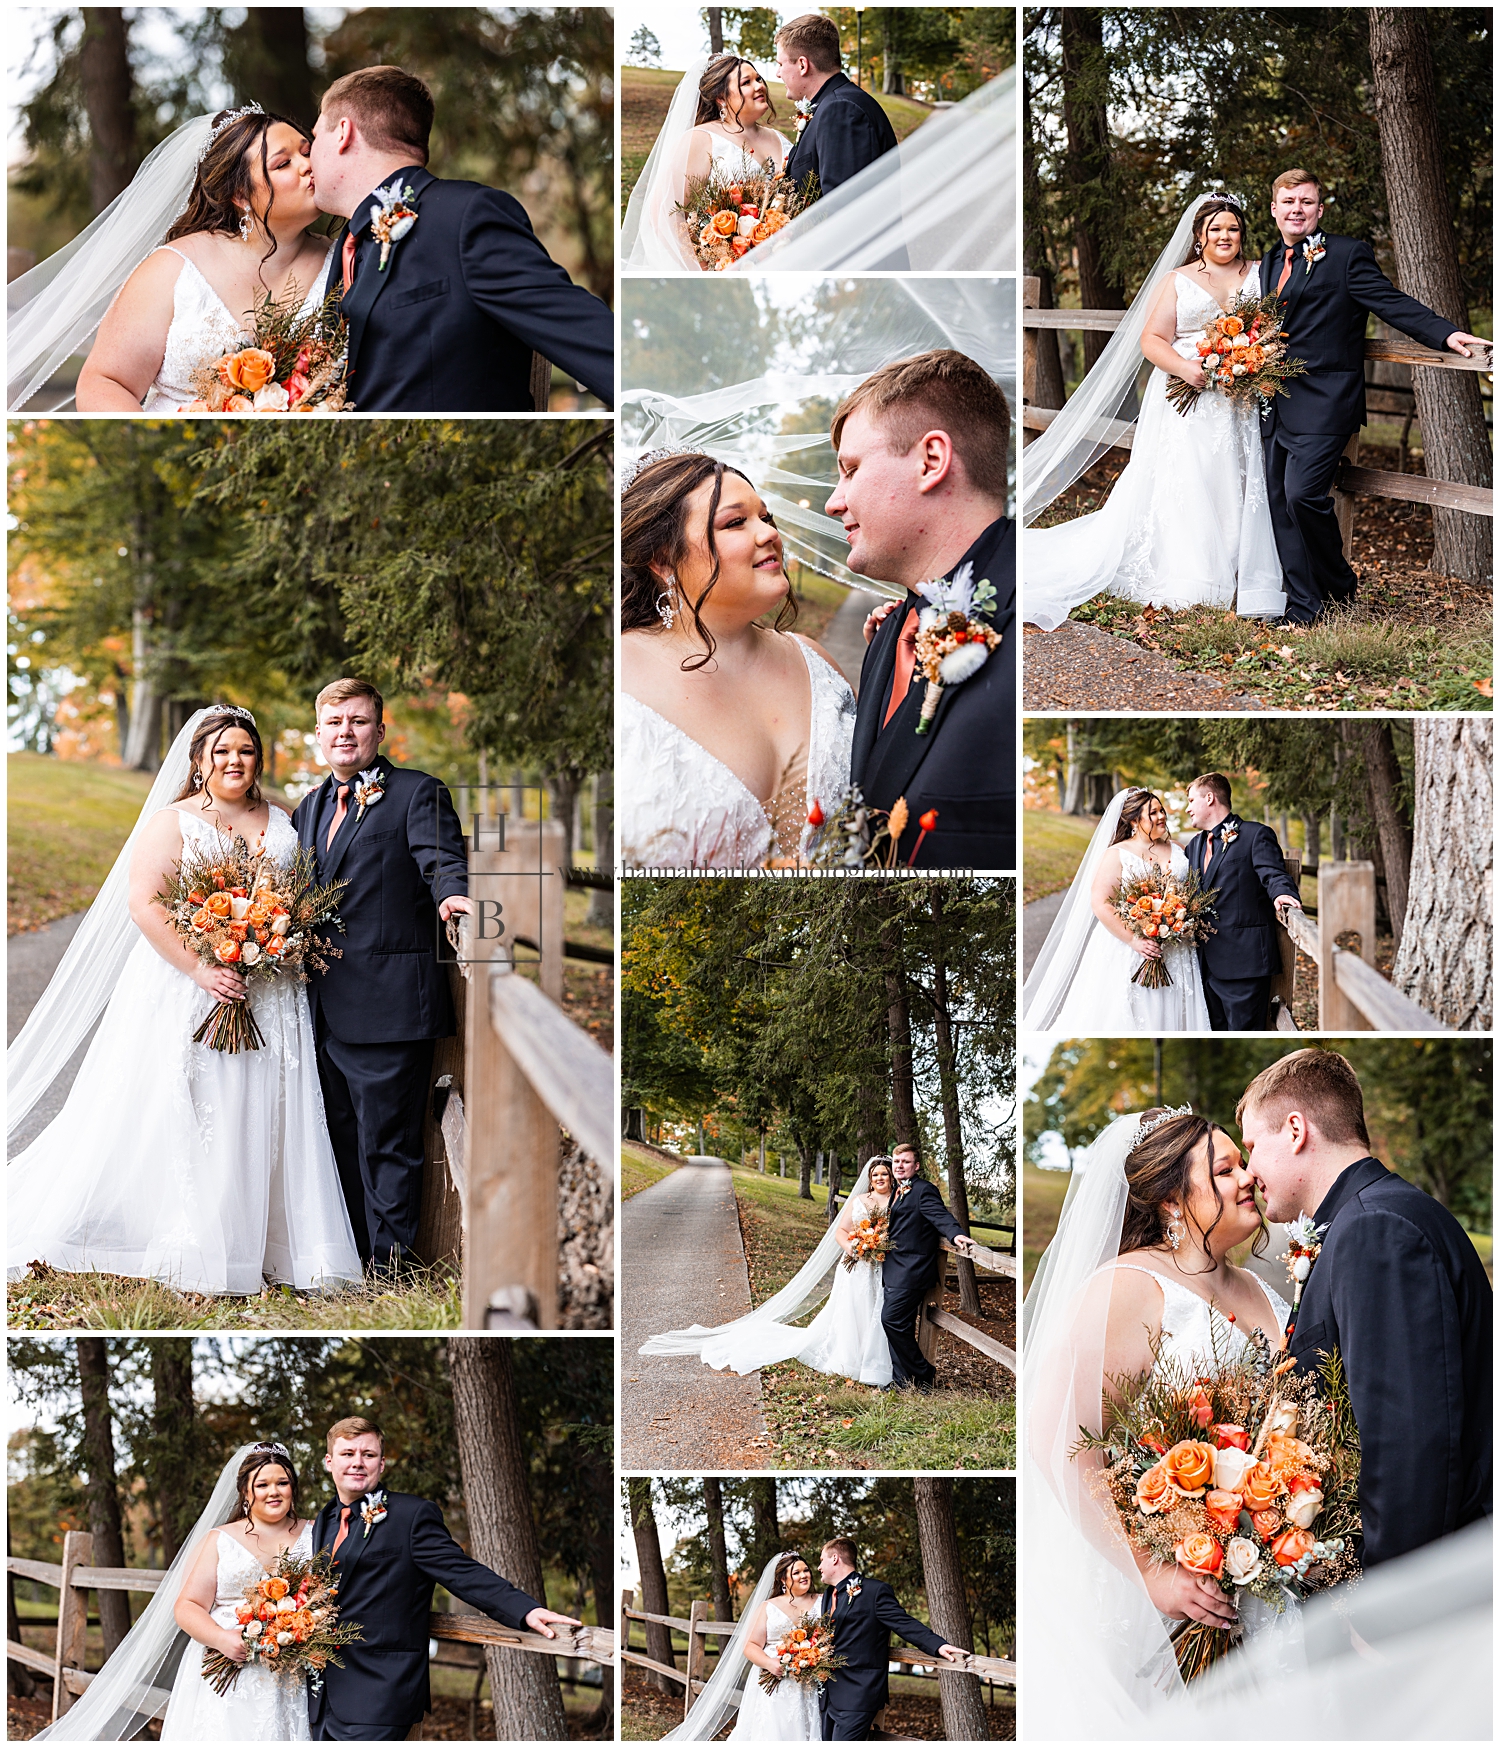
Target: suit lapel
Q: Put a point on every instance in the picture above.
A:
(324, 1526)
(1295, 285)
(353, 820)
(370, 282)
(875, 678)
(355, 1542)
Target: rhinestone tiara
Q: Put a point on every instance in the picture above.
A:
(229, 120)
(1165, 1116)
(231, 710)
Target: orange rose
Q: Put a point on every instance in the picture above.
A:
(195, 407)
(1285, 1456)
(1222, 1509)
(244, 1613)
(195, 898)
(276, 946)
(1190, 1468)
(1235, 1437)
(1260, 1488)
(1266, 1523)
(762, 233)
(1291, 1545)
(227, 951)
(239, 404)
(1203, 1409)
(725, 223)
(1153, 1492)
(734, 194)
(1232, 325)
(265, 1612)
(276, 1588)
(203, 919)
(219, 903)
(1200, 1553)
(269, 1647)
(249, 370)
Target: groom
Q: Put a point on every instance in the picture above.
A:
(380, 1007)
(918, 1221)
(448, 319)
(389, 1551)
(846, 128)
(922, 491)
(863, 1613)
(1397, 1288)
(1241, 861)
(1327, 286)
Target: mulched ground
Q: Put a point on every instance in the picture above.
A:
(1305, 996)
(586, 1243)
(589, 1000)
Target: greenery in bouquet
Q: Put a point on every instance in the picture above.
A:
(289, 1623)
(870, 1242)
(735, 206)
(255, 913)
(1243, 355)
(1246, 1473)
(1164, 907)
(856, 835)
(289, 362)
(806, 1656)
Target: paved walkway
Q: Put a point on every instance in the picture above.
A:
(844, 636)
(30, 960)
(1036, 919)
(682, 1262)
(1080, 667)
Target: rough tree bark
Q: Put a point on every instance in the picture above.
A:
(602, 904)
(947, 1609)
(765, 1519)
(1048, 388)
(804, 1165)
(1085, 93)
(174, 1428)
(892, 79)
(718, 1554)
(1383, 774)
(103, 1492)
(266, 58)
(1446, 961)
(653, 1581)
(715, 19)
(898, 1024)
(1455, 443)
(953, 1133)
(104, 73)
(1312, 832)
(524, 1687)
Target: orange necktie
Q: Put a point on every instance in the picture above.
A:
(338, 816)
(339, 1539)
(1286, 267)
(348, 260)
(906, 661)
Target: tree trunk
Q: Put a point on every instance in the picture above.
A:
(1455, 443)
(898, 1028)
(266, 59)
(653, 1581)
(715, 17)
(1048, 388)
(1312, 831)
(103, 1491)
(524, 1687)
(104, 72)
(562, 788)
(953, 1133)
(1445, 963)
(1085, 83)
(765, 1519)
(635, 1123)
(947, 1609)
(1383, 773)
(804, 1167)
(602, 904)
(835, 1184)
(174, 1428)
(892, 79)
(142, 750)
(718, 1556)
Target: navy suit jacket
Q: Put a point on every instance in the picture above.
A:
(1325, 327)
(919, 1220)
(1249, 875)
(846, 131)
(466, 297)
(965, 765)
(402, 859)
(862, 1628)
(386, 1579)
(1399, 1290)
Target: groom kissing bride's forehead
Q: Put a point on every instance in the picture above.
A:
(447, 292)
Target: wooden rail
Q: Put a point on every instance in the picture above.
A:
(73, 1578)
(934, 1318)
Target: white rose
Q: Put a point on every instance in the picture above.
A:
(1242, 1560)
(239, 909)
(286, 1606)
(1231, 1467)
(253, 1629)
(1301, 1267)
(280, 924)
(283, 1638)
(250, 955)
(747, 225)
(1303, 1507)
(1241, 369)
(1284, 1419)
(273, 398)
(1240, 341)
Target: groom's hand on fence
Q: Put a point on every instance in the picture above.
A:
(952, 1654)
(1460, 342)
(1286, 903)
(540, 1620)
(451, 907)
(964, 1243)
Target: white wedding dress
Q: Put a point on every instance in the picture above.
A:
(260, 1707)
(680, 807)
(1103, 1002)
(202, 329)
(790, 1714)
(175, 1162)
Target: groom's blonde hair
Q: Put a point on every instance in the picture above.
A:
(945, 391)
(355, 1426)
(1318, 1083)
(813, 38)
(392, 109)
(341, 691)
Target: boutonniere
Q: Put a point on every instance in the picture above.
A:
(1314, 249)
(953, 640)
(1230, 832)
(901, 1190)
(803, 107)
(1304, 1243)
(372, 1509)
(390, 216)
(369, 786)
(854, 1586)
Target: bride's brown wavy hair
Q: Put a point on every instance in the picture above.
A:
(225, 184)
(654, 531)
(713, 87)
(209, 730)
(1135, 808)
(1159, 1169)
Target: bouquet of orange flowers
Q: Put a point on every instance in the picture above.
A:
(736, 206)
(1159, 906)
(289, 1623)
(288, 363)
(256, 914)
(1243, 356)
(869, 1242)
(1248, 1475)
(806, 1656)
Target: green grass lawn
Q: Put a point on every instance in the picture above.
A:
(1043, 1192)
(1053, 847)
(646, 93)
(66, 821)
(638, 1171)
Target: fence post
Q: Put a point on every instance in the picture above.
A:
(1284, 983)
(1343, 505)
(697, 1651)
(1031, 296)
(72, 1616)
(626, 1597)
(927, 1331)
(1346, 900)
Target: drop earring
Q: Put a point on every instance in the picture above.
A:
(197, 779)
(245, 227)
(1174, 1231)
(665, 611)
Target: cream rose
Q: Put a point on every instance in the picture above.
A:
(1303, 1506)
(239, 909)
(253, 1629)
(250, 953)
(1284, 1419)
(1242, 1560)
(280, 924)
(273, 398)
(1230, 1468)
(284, 1638)
(286, 1606)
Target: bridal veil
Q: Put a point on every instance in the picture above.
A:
(720, 1699)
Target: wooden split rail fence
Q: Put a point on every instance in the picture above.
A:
(75, 1577)
(934, 1318)
(1350, 483)
(699, 1627)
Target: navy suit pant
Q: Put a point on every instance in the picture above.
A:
(1299, 483)
(1237, 1004)
(898, 1317)
(846, 1726)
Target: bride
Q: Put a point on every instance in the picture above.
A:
(216, 218)
(169, 1160)
(730, 728)
(1188, 522)
(1137, 1275)
(1081, 983)
(250, 1520)
(846, 1338)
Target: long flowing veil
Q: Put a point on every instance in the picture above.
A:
(807, 1288)
(720, 1699)
(128, 1692)
(651, 239)
(774, 427)
(945, 199)
(90, 968)
(52, 311)
(1056, 966)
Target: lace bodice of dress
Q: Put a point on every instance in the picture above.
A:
(1197, 306)
(202, 327)
(1132, 866)
(238, 1567)
(280, 835)
(1191, 1327)
(779, 1622)
(730, 152)
(683, 808)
